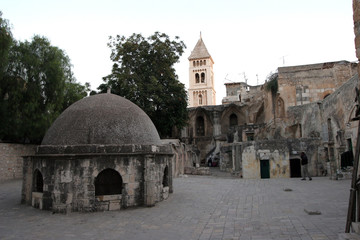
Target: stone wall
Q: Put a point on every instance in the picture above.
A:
(11, 159)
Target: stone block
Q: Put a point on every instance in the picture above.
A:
(114, 205)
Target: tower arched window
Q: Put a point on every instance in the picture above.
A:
(201, 62)
(200, 126)
(202, 77)
(200, 99)
(233, 120)
(197, 63)
(194, 63)
(197, 78)
(204, 62)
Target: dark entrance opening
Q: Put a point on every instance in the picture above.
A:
(295, 168)
(265, 168)
(166, 177)
(38, 182)
(108, 182)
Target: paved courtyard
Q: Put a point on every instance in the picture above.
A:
(201, 207)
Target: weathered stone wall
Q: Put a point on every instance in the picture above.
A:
(11, 161)
(245, 158)
(69, 176)
(310, 83)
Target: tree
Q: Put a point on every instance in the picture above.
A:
(36, 85)
(143, 72)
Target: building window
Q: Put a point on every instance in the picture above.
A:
(202, 77)
(194, 63)
(38, 182)
(200, 127)
(233, 120)
(197, 78)
(197, 63)
(108, 182)
(200, 99)
(204, 62)
(201, 62)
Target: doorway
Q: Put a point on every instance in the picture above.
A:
(264, 169)
(295, 168)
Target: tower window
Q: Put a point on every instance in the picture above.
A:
(202, 77)
(194, 63)
(204, 62)
(200, 99)
(201, 62)
(197, 63)
(197, 78)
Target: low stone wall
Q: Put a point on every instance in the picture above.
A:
(11, 161)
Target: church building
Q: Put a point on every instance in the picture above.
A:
(201, 77)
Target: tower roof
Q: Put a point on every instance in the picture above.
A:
(199, 51)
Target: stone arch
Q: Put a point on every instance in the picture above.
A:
(38, 181)
(197, 78)
(108, 182)
(233, 120)
(280, 108)
(225, 117)
(202, 77)
(165, 181)
(200, 126)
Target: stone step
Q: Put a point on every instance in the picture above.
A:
(349, 236)
(355, 226)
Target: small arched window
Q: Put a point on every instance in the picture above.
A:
(194, 63)
(202, 77)
(233, 120)
(108, 182)
(38, 182)
(200, 99)
(197, 63)
(197, 78)
(200, 126)
(204, 62)
(201, 62)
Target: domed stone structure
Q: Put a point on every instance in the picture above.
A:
(101, 153)
(102, 119)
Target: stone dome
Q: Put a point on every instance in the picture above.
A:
(102, 119)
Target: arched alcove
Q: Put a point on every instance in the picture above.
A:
(108, 182)
(38, 181)
(200, 99)
(280, 108)
(233, 120)
(200, 126)
(165, 181)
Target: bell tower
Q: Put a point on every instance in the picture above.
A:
(201, 76)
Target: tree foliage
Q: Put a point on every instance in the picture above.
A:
(36, 85)
(272, 83)
(143, 72)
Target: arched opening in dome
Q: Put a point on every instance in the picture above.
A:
(38, 182)
(108, 182)
(165, 181)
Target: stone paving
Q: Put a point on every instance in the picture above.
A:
(201, 207)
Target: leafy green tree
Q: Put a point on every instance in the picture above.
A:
(36, 85)
(143, 72)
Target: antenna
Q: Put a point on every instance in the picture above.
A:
(227, 78)
(245, 78)
(257, 79)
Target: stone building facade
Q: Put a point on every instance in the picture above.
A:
(102, 153)
(259, 134)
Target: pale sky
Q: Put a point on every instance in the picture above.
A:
(244, 37)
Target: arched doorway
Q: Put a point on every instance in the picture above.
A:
(200, 126)
(108, 182)
(165, 181)
(38, 182)
(233, 120)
